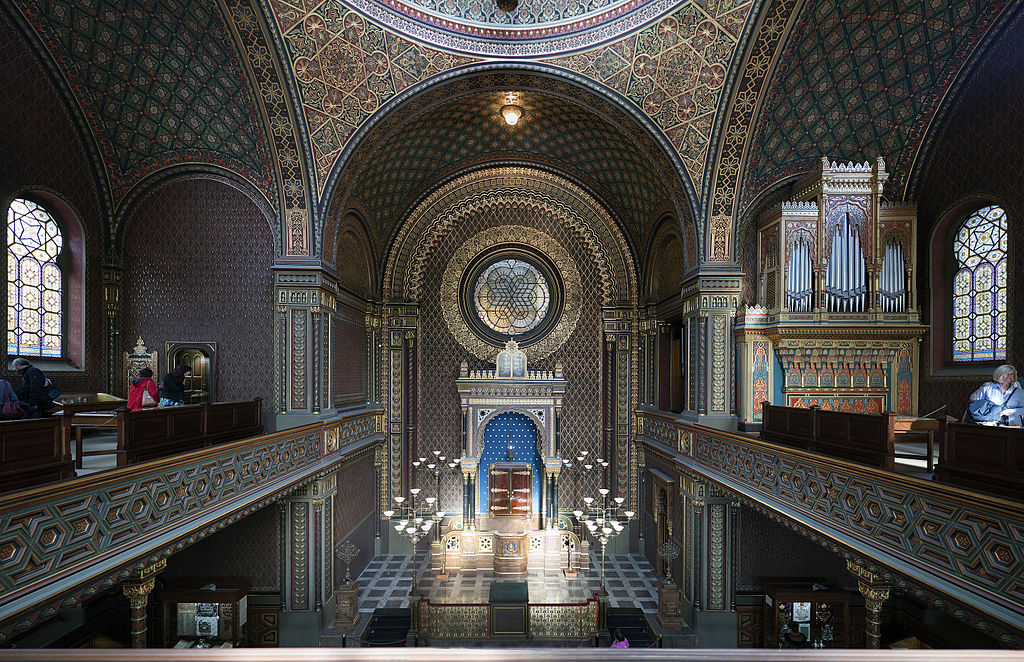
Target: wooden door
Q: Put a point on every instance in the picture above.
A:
(511, 489)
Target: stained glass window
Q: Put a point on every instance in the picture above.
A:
(511, 296)
(35, 282)
(979, 287)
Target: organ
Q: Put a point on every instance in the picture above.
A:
(836, 323)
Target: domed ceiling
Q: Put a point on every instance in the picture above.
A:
(627, 170)
(736, 95)
(533, 28)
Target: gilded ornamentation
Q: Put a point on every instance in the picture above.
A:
(299, 575)
(454, 621)
(563, 621)
(716, 557)
(298, 376)
(463, 197)
(719, 368)
(510, 234)
(138, 592)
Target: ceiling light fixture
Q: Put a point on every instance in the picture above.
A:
(511, 111)
(508, 6)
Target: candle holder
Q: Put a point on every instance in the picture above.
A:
(605, 522)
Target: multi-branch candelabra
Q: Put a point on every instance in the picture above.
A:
(604, 521)
(412, 523)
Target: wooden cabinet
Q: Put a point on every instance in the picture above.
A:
(215, 614)
(823, 616)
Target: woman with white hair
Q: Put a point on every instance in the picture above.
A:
(1005, 395)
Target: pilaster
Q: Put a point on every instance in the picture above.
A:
(306, 299)
(309, 562)
(710, 520)
(621, 398)
(401, 323)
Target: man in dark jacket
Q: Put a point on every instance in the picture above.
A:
(32, 389)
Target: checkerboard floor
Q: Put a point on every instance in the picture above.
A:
(387, 580)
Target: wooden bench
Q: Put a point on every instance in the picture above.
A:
(984, 458)
(864, 438)
(156, 432)
(33, 452)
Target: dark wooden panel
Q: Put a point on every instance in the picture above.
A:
(985, 458)
(33, 452)
(864, 438)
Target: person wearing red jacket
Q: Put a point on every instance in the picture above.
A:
(144, 384)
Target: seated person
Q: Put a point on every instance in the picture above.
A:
(1004, 390)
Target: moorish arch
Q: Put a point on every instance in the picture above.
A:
(541, 191)
(525, 213)
(570, 125)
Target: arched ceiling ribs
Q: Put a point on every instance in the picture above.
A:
(455, 124)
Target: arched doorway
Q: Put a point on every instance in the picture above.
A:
(510, 436)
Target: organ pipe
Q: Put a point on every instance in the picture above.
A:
(845, 288)
(892, 285)
(798, 278)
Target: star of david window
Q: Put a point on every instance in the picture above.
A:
(511, 296)
(511, 293)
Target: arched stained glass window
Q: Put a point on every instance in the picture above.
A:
(979, 287)
(35, 282)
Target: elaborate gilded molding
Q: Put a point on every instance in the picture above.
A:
(464, 255)
(453, 202)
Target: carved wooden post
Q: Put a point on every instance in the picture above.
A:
(875, 592)
(137, 589)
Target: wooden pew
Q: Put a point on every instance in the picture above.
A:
(864, 438)
(156, 432)
(984, 458)
(228, 421)
(33, 452)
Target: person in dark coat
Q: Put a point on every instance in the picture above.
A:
(173, 392)
(32, 389)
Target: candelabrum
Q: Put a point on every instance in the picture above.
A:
(413, 523)
(669, 552)
(583, 467)
(604, 521)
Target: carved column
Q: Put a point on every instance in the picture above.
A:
(374, 322)
(872, 586)
(400, 326)
(309, 544)
(710, 548)
(137, 589)
(307, 301)
(621, 398)
(710, 301)
(112, 279)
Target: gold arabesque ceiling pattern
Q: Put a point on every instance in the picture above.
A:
(348, 68)
(171, 85)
